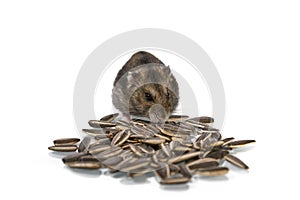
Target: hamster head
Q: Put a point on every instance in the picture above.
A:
(148, 90)
(154, 101)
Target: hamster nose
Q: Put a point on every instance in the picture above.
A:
(157, 114)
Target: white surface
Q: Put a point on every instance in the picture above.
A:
(255, 46)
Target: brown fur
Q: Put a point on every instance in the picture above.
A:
(144, 73)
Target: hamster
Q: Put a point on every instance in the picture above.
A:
(145, 87)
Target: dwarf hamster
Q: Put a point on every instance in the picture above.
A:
(145, 87)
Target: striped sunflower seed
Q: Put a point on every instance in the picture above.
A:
(109, 118)
(73, 157)
(120, 138)
(214, 171)
(175, 180)
(177, 118)
(84, 144)
(239, 143)
(236, 161)
(85, 165)
(64, 148)
(66, 141)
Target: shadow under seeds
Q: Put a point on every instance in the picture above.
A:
(59, 155)
(134, 180)
(177, 188)
(88, 173)
(211, 178)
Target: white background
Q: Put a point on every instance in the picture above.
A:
(254, 44)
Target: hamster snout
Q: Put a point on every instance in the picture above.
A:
(158, 114)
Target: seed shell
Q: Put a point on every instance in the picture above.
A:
(203, 163)
(236, 161)
(64, 148)
(214, 171)
(176, 180)
(154, 140)
(109, 118)
(84, 165)
(184, 170)
(99, 148)
(183, 157)
(120, 137)
(73, 157)
(66, 141)
(239, 143)
(177, 118)
(84, 144)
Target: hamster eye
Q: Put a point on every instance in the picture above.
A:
(168, 95)
(148, 96)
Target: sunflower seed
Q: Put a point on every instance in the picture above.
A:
(163, 172)
(227, 140)
(126, 161)
(185, 170)
(65, 148)
(174, 169)
(203, 119)
(73, 157)
(84, 144)
(99, 148)
(133, 167)
(104, 141)
(154, 140)
(121, 137)
(151, 128)
(141, 121)
(109, 153)
(176, 180)
(182, 149)
(177, 118)
(218, 143)
(66, 141)
(136, 150)
(88, 158)
(146, 149)
(186, 126)
(236, 161)
(109, 118)
(166, 149)
(162, 137)
(125, 154)
(183, 157)
(112, 161)
(94, 132)
(100, 124)
(103, 136)
(203, 163)
(84, 165)
(123, 124)
(165, 131)
(239, 143)
(195, 124)
(219, 154)
(214, 171)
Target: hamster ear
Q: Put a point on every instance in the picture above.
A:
(167, 69)
(168, 74)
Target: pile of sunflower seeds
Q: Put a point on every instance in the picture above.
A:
(174, 151)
